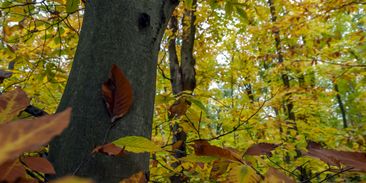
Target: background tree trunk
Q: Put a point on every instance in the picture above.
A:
(122, 32)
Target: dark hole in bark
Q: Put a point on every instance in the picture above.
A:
(144, 21)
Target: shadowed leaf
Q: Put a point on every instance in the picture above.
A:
(219, 167)
(203, 148)
(261, 149)
(135, 178)
(72, 5)
(28, 135)
(109, 149)
(243, 174)
(356, 160)
(179, 108)
(4, 75)
(117, 93)
(39, 164)
(11, 103)
(137, 144)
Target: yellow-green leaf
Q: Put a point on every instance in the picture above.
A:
(137, 144)
(72, 5)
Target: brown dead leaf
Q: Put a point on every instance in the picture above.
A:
(39, 164)
(261, 149)
(110, 150)
(11, 103)
(11, 171)
(179, 108)
(203, 148)
(136, 178)
(117, 93)
(274, 175)
(29, 135)
(356, 160)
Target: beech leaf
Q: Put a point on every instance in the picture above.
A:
(11, 103)
(355, 160)
(39, 164)
(203, 148)
(261, 149)
(109, 149)
(72, 179)
(137, 144)
(274, 175)
(117, 93)
(29, 135)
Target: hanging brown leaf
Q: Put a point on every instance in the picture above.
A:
(11, 103)
(117, 93)
(11, 171)
(261, 149)
(203, 148)
(28, 135)
(274, 175)
(179, 108)
(136, 178)
(39, 164)
(109, 149)
(355, 160)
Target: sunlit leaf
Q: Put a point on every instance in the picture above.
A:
(137, 144)
(29, 135)
(203, 148)
(136, 178)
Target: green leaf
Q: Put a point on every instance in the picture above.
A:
(203, 159)
(198, 104)
(137, 144)
(188, 4)
(72, 5)
(243, 15)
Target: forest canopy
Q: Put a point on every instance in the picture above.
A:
(246, 90)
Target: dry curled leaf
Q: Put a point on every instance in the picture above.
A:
(29, 135)
(203, 148)
(261, 149)
(109, 149)
(39, 164)
(11, 103)
(117, 93)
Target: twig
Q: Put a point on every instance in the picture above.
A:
(343, 170)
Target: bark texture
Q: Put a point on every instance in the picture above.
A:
(122, 32)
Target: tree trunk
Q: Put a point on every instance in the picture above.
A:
(122, 32)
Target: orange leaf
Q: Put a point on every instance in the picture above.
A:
(29, 135)
(11, 171)
(203, 148)
(117, 93)
(136, 178)
(39, 164)
(356, 160)
(11, 103)
(261, 149)
(179, 108)
(109, 149)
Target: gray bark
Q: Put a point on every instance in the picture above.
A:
(122, 32)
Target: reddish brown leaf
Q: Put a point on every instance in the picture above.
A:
(179, 108)
(110, 150)
(261, 149)
(39, 164)
(117, 93)
(136, 178)
(11, 103)
(11, 171)
(356, 160)
(29, 135)
(274, 175)
(203, 148)
(177, 145)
